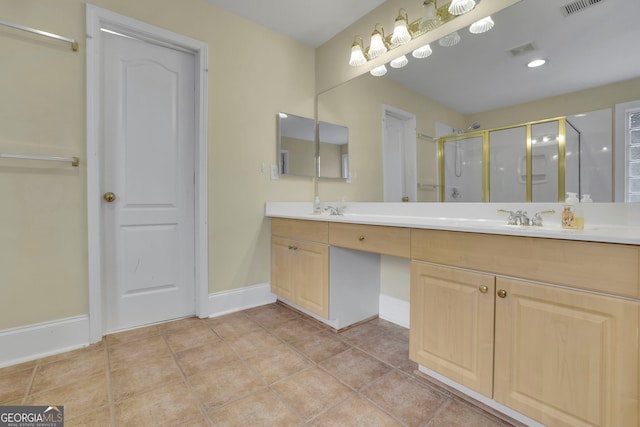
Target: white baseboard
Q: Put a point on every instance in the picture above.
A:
(240, 299)
(394, 310)
(32, 342)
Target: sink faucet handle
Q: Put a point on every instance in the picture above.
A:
(537, 218)
(513, 216)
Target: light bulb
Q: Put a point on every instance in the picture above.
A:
(377, 47)
(430, 18)
(460, 7)
(399, 62)
(401, 33)
(481, 26)
(357, 56)
(422, 52)
(450, 39)
(379, 71)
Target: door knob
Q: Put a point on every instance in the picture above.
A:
(109, 196)
(502, 293)
(484, 289)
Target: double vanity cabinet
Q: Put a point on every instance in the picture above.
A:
(543, 327)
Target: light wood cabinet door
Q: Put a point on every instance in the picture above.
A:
(566, 358)
(312, 277)
(300, 273)
(282, 267)
(451, 331)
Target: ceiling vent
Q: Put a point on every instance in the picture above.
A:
(522, 49)
(577, 6)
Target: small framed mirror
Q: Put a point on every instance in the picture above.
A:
(296, 145)
(333, 151)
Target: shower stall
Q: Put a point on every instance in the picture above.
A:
(530, 162)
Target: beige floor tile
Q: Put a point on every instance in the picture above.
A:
(272, 315)
(139, 377)
(17, 368)
(133, 335)
(294, 330)
(69, 354)
(361, 333)
(229, 382)
(278, 362)
(14, 386)
(187, 322)
(209, 356)
(68, 370)
(233, 325)
(355, 412)
(355, 368)
(136, 352)
(262, 409)
(387, 348)
(459, 414)
(311, 392)
(99, 418)
(320, 346)
(85, 395)
(255, 342)
(194, 336)
(408, 400)
(172, 404)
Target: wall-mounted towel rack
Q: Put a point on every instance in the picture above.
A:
(425, 137)
(75, 161)
(74, 44)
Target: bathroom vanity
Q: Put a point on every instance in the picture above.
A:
(540, 322)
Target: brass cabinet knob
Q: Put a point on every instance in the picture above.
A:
(294, 248)
(361, 238)
(109, 196)
(502, 293)
(483, 289)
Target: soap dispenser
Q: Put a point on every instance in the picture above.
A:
(572, 212)
(317, 208)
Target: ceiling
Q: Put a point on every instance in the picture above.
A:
(595, 46)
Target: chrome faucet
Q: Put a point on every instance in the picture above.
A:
(335, 210)
(520, 217)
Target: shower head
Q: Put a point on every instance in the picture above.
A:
(474, 126)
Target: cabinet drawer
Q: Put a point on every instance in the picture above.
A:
(371, 238)
(315, 231)
(603, 267)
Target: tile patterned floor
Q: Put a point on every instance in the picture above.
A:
(266, 366)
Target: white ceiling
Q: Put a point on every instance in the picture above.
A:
(312, 22)
(596, 46)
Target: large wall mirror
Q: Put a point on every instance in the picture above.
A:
(590, 69)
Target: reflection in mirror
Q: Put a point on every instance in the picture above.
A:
(296, 145)
(545, 152)
(497, 90)
(508, 165)
(463, 167)
(333, 151)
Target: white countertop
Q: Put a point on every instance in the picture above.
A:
(604, 222)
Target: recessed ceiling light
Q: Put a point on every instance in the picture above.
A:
(536, 63)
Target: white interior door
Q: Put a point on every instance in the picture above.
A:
(399, 156)
(147, 154)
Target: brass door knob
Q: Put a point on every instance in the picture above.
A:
(361, 238)
(502, 293)
(109, 196)
(483, 289)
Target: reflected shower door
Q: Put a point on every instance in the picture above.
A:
(508, 165)
(463, 170)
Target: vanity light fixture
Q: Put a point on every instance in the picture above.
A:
(481, 26)
(422, 52)
(536, 63)
(399, 62)
(377, 46)
(460, 7)
(357, 54)
(401, 33)
(430, 19)
(449, 40)
(379, 71)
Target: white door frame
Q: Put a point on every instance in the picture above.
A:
(101, 18)
(409, 145)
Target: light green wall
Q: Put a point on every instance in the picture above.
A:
(43, 220)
